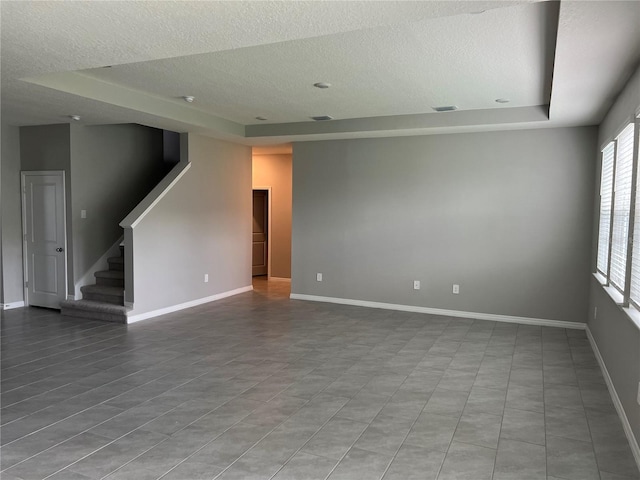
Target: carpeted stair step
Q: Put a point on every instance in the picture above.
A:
(103, 293)
(110, 278)
(116, 263)
(88, 309)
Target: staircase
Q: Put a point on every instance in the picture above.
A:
(104, 300)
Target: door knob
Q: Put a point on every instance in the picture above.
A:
(59, 249)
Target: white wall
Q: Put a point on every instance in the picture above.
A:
(506, 215)
(202, 225)
(618, 340)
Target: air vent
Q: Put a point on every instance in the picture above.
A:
(445, 108)
(322, 118)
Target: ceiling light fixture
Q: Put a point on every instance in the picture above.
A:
(188, 98)
(262, 119)
(322, 118)
(322, 85)
(445, 108)
(75, 118)
(502, 100)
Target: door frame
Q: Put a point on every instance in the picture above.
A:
(25, 257)
(268, 190)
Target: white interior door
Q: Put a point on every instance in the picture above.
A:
(45, 239)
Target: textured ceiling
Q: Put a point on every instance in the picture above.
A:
(374, 72)
(388, 62)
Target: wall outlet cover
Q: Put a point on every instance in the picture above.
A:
(416, 284)
(206, 277)
(318, 277)
(456, 289)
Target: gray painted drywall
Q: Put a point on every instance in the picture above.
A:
(617, 338)
(202, 225)
(618, 341)
(506, 215)
(627, 105)
(113, 167)
(170, 147)
(11, 286)
(48, 147)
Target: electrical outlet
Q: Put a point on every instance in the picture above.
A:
(83, 214)
(456, 289)
(206, 277)
(416, 284)
(318, 277)
(595, 312)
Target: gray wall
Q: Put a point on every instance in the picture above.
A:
(202, 225)
(617, 338)
(113, 167)
(11, 285)
(48, 147)
(506, 215)
(108, 169)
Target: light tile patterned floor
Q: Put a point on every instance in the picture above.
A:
(258, 386)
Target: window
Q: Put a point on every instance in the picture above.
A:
(606, 195)
(619, 225)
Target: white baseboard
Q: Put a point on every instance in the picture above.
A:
(633, 443)
(193, 303)
(438, 311)
(280, 279)
(12, 305)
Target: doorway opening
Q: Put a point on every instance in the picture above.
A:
(272, 176)
(261, 255)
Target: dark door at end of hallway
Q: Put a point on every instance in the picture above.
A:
(260, 233)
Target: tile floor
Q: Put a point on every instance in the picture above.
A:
(261, 387)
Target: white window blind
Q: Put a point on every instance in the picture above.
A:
(621, 206)
(606, 193)
(625, 147)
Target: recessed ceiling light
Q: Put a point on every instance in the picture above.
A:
(262, 119)
(445, 108)
(502, 100)
(322, 85)
(188, 98)
(75, 117)
(322, 118)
